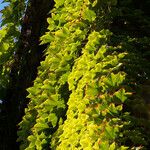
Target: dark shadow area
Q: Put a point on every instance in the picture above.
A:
(131, 30)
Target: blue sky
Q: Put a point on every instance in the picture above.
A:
(2, 5)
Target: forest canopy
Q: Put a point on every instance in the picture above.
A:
(75, 75)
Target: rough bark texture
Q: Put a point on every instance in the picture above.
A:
(24, 69)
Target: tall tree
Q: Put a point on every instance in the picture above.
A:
(26, 58)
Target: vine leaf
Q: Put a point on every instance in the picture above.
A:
(121, 95)
(89, 15)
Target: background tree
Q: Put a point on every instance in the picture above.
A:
(23, 25)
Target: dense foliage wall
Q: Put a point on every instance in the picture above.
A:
(92, 88)
(86, 68)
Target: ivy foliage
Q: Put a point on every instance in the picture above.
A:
(130, 29)
(66, 35)
(83, 86)
(96, 101)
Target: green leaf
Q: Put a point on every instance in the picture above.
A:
(110, 132)
(91, 91)
(89, 15)
(59, 3)
(115, 79)
(101, 52)
(113, 110)
(121, 95)
(104, 146)
(112, 146)
(51, 24)
(47, 38)
(41, 126)
(5, 46)
(53, 119)
(94, 3)
(61, 33)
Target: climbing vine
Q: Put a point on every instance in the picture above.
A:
(50, 91)
(96, 102)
